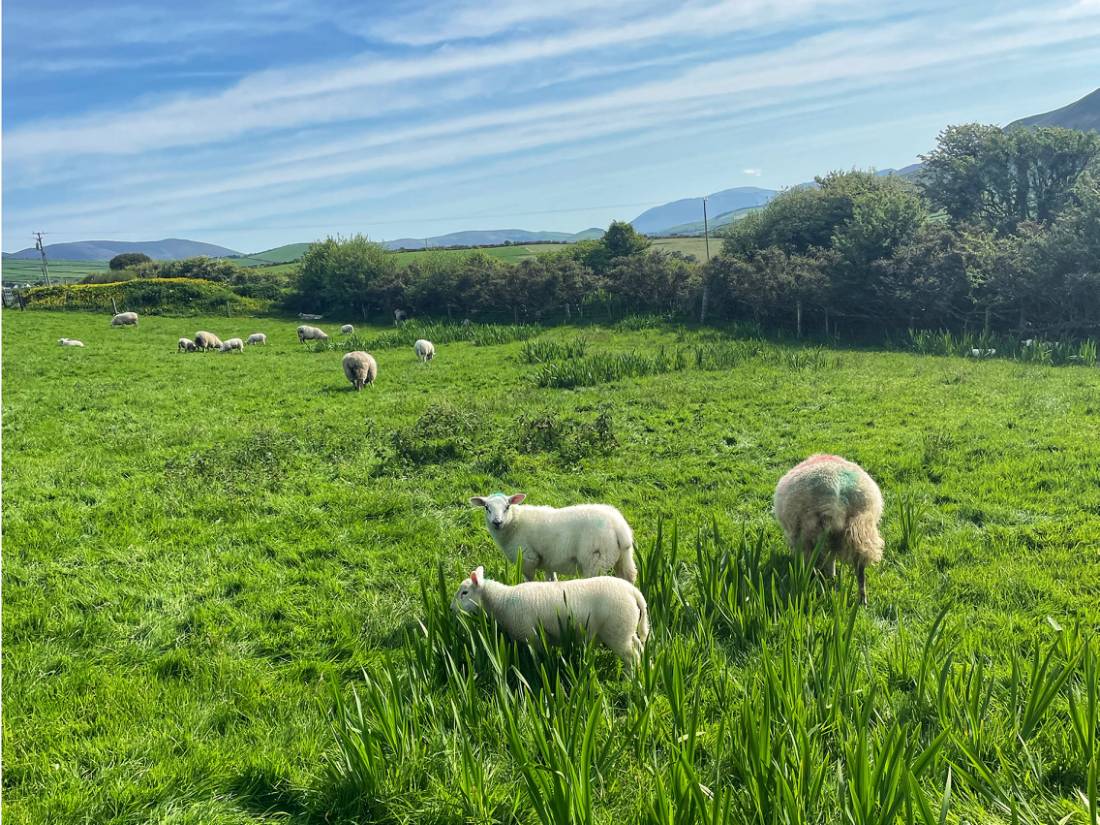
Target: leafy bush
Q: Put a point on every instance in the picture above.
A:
(172, 296)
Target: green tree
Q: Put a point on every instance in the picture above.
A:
(997, 179)
(351, 275)
(128, 259)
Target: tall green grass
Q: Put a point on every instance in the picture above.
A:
(481, 335)
(1035, 351)
(829, 722)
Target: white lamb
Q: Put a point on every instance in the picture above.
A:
(125, 319)
(207, 340)
(186, 345)
(424, 349)
(612, 610)
(585, 538)
(233, 344)
(982, 353)
(308, 333)
(347, 329)
(69, 342)
(257, 338)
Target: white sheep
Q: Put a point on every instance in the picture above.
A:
(207, 341)
(186, 345)
(585, 538)
(612, 610)
(982, 353)
(424, 349)
(360, 368)
(399, 317)
(257, 338)
(125, 319)
(69, 342)
(347, 329)
(233, 344)
(308, 333)
(833, 501)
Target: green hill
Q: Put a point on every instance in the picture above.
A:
(279, 255)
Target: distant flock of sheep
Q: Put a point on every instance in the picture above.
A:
(828, 507)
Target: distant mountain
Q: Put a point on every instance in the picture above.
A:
(714, 223)
(490, 237)
(660, 219)
(170, 249)
(1083, 114)
(279, 255)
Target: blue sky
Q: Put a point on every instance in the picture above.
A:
(253, 123)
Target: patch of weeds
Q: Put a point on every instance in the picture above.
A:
(570, 438)
(442, 433)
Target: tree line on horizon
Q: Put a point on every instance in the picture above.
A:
(999, 233)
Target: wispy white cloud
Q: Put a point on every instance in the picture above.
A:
(751, 172)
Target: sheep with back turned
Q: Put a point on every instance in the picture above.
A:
(360, 368)
(832, 501)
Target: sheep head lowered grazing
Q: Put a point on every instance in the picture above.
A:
(831, 501)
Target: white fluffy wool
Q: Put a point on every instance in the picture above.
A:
(308, 333)
(124, 319)
(233, 344)
(424, 349)
(360, 368)
(612, 610)
(257, 338)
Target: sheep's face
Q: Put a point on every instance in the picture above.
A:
(468, 597)
(498, 509)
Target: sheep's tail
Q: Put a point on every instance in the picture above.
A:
(643, 615)
(862, 538)
(624, 565)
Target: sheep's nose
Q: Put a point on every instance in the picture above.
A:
(497, 522)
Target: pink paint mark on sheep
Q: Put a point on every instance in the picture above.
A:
(820, 459)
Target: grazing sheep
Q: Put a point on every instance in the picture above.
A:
(584, 538)
(827, 498)
(399, 316)
(257, 338)
(347, 329)
(308, 333)
(425, 350)
(305, 316)
(233, 344)
(360, 368)
(1028, 342)
(69, 342)
(608, 608)
(207, 340)
(186, 345)
(982, 353)
(465, 322)
(125, 319)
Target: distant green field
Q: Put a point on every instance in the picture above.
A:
(512, 254)
(689, 246)
(279, 255)
(30, 271)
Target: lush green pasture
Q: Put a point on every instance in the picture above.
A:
(30, 271)
(689, 246)
(201, 552)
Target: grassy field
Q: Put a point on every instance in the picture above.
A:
(30, 271)
(205, 554)
(689, 246)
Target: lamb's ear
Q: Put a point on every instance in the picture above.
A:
(477, 501)
(478, 576)
(517, 498)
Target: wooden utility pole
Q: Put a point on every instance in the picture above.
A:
(706, 284)
(42, 251)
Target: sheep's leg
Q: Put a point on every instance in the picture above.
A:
(530, 567)
(861, 577)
